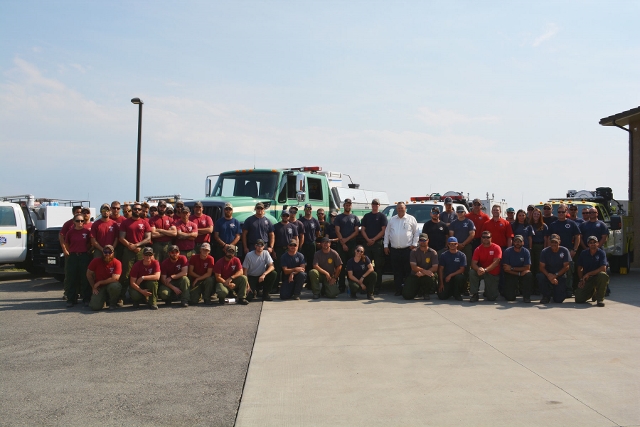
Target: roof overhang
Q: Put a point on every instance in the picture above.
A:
(621, 119)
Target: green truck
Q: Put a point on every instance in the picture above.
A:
(278, 189)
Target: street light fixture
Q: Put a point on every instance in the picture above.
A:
(139, 102)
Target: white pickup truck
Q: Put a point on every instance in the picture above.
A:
(15, 240)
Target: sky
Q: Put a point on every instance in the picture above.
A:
(407, 97)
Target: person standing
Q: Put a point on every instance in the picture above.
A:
(226, 231)
(511, 215)
(135, 234)
(499, 228)
(187, 233)
(257, 227)
(372, 228)
(424, 268)
(548, 217)
(162, 232)
(594, 227)
(77, 242)
(448, 215)
(485, 265)
(293, 219)
(103, 232)
(284, 232)
(204, 224)
(103, 275)
(569, 234)
(463, 229)
(400, 238)
(347, 227)
(478, 217)
(311, 228)
(437, 231)
(539, 241)
(521, 226)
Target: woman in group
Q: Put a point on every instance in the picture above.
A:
(360, 274)
(539, 240)
(521, 227)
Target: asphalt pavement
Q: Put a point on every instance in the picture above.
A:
(73, 367)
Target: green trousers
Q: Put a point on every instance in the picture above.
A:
(490, 284)
(128, 259)
(594, 286)
(167, 295)
(240, 289)
(202, 289)
(161, 250)
(375, 253)
(369, 283)
(108, 293)
(149, 285)
(78, 283)
(415, 284)
(320, 285)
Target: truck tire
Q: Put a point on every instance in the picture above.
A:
(625, 262)
(614, 264)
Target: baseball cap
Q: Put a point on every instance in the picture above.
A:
(205, 246)
(510, 210)
(347, 201)
(293, 243)
(179, 202)
(307, 206)
(375, 202)
(259, 242)
(231, 248)
(333, 213)
(590, 238)
(284, 213)
(109, 249)
(518, 237)
(162, 203)
(423, 237)
(228, 205)
(325, 240)
(460, 209)
(106, 206)
(448, 201)
(173, 248)
(146, 251)
(452, 240)
(293, 208)
(554, 238)
(259, 205)
(435, 209)
(186, 209)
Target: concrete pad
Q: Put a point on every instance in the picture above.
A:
(392, 362)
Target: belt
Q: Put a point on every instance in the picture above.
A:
(77, 253)
(399, 249)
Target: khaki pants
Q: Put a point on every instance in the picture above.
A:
(594, 286)
(108, 293)
(149, 285)
(240, 289)
(167, 295)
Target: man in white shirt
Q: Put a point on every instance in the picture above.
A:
(400, 238)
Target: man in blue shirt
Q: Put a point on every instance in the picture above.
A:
(226, 231)
(451, 267)
(554, 265)
(594, 227)
(516, 263)
(257, 227)
(592, 271)
(293, 272)
(347, 227)
(569, 234)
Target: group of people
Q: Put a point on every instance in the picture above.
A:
(156, 252)
(526, 253)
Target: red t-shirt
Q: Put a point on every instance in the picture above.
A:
(78, 240)
(200, 266)
(478, 220)
(203, 221)
(119, 220)
(486, 255)
(162, 223)
(135, 229)
(66, 227)
(227, 268)
(104, 270)
(500, 231)
(189, 227)
(139, 269)
(169, 267)
(105, 232)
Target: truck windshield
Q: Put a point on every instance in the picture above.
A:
(259, 185)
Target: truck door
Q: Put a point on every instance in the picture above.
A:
(13, 234)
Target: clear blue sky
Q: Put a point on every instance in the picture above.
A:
(408, 97)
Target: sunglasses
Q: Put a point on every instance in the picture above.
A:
(259, 244)
(137, 209)
(147, 254)
(529, 209)
(78, 220)
(562, 211)
(359, 250)
(486, 237)
(228, 209)
(107, 252)
(115, 208)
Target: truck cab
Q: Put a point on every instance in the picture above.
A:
(14, 237)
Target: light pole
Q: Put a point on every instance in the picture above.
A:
(139, 102)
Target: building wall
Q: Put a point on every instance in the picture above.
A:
(635, 134)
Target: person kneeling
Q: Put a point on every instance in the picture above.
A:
(517, 268)
(143, 280)
(104, 275)
(229, 277)
(173, 278)
(360, 274)
(592, 271)
(451, 267)
(424, 266)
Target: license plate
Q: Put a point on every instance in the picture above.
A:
(51, 260)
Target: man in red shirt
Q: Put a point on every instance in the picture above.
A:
(76, 210)
(204, 223)
(230, 277)
(162, 232)
(478, 217)
(103, 232)
(500, 228)
(77, 242)
(187, 231)
(201, 275)
(485, 265)
(143, 280)
(174, 282)
(135, 233)
(103, 275)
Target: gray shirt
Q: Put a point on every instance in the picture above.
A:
(257, 264)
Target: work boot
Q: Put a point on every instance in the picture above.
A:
(474, 298)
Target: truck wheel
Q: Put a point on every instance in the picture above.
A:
(59, 277)
(625, 262)
(614, 264)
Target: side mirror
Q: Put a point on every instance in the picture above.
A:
(616, 222)
(300, 187)
(207, 187)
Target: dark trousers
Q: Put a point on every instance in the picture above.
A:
(375, 253)
(557, 292)
(513, 283)
(346, 256)
(400, 265)
(416, 284)
(452, 289)
(266, 284)
(290, 289)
